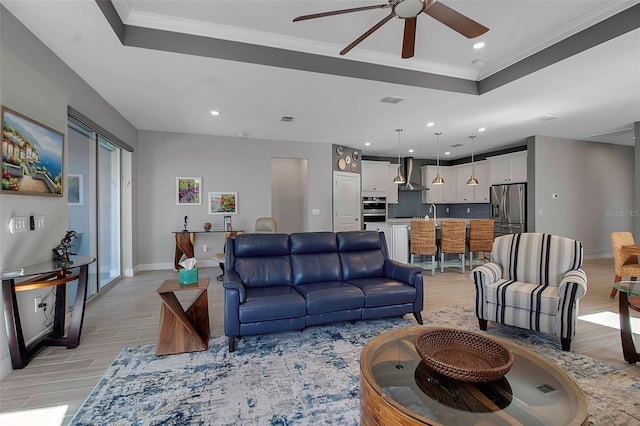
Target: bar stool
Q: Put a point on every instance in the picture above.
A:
(480, 238)
(423, 242)
(452, 241)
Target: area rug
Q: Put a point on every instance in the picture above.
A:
(304, 378)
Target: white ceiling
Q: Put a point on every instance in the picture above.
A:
(594, 92)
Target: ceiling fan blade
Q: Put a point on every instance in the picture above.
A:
(339, 12)
(409, 40)
(366, 34)
(455, 20)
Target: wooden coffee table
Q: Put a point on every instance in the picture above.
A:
(397, 388)
(183, 331)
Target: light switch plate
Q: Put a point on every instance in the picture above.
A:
(39, 223)
(18, 224)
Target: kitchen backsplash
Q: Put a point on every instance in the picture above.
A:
(410, 205)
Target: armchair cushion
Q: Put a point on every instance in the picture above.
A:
(532, 297)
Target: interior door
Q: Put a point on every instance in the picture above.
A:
(346, 202)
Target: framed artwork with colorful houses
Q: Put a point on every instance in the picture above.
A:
(32, 156)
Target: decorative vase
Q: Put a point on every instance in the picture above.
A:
(207, 226)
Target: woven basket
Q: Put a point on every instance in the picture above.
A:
(463, 355)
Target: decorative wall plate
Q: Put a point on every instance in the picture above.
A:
(355, 155)
(354, 167)
(340, 150)
(347, 159)
(342, 164)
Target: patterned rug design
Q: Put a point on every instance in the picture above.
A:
(303, 378)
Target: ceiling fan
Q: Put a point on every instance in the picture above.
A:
(409, 11)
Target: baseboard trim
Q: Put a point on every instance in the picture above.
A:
(163, 266)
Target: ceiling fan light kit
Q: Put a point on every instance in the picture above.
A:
(409, 10)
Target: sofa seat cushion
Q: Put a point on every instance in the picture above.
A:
(331, 296)
(531, 297)
(382, 291)
(270, 303)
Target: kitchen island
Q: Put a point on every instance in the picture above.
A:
(398, 235)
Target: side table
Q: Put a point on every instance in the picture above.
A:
(183, 331)
(45, 274)
(626, 289)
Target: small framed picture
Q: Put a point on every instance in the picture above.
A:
(223, 203)
(75, 190)
(189, 191)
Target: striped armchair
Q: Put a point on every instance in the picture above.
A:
(534, 282)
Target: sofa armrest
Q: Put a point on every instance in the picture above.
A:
(574, 281)
(401, 271)
(231, 281)
(486, 274)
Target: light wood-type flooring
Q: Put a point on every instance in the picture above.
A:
(57, 380)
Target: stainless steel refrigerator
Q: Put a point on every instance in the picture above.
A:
(509, 208)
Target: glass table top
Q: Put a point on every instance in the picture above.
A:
(630, 287)
(534, 392)
(46, 267)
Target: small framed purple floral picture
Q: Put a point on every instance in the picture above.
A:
(189, 191)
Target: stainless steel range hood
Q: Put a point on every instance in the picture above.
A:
(412, 184)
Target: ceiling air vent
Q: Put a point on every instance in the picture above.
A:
(391, 99)
(456, 145)
(286, 118)
(547, 117)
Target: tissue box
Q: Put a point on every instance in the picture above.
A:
(188, 276)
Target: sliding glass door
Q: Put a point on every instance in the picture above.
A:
(94, 204)
(109, 196)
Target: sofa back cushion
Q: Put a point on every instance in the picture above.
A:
(536, 258)
(314, 257)
(261, 260)
(361, 254)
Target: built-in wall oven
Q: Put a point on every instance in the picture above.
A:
(374, 210)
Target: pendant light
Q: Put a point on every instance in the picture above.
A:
(399, 179)
(472, 180)
(437, 180)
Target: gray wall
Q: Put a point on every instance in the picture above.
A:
(595, 187)
(224, 164)
(289, 194)
(36, 83)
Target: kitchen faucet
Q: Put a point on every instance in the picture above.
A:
(433, 206)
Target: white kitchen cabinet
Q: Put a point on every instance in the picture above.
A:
(388, 233)
(508, 168)
(481, 190)
(392, 188)
(374, 178)
(436, 193)
(463, 193)
(400, 251)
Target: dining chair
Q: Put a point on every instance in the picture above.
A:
(266, 225)
(626, 264)
(423, 242)
(220, 257)
(453, 241)
(480, 238)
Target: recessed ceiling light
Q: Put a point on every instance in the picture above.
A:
(481, 129)
(214, 112)
(478, 45)
(447, 153)
(367, 144)
(430, 124)
(410, 150)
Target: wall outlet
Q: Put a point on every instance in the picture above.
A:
(18, 224)
(37, 302)
(554, 195)
(446, 210)
(468, 210)
(205, 247)
(315, 212)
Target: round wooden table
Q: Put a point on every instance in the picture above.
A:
(396, 388)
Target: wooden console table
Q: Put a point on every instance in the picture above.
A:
(45, 274)
(184, 243)
(183, 331)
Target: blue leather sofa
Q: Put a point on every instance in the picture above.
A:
(280, 282)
